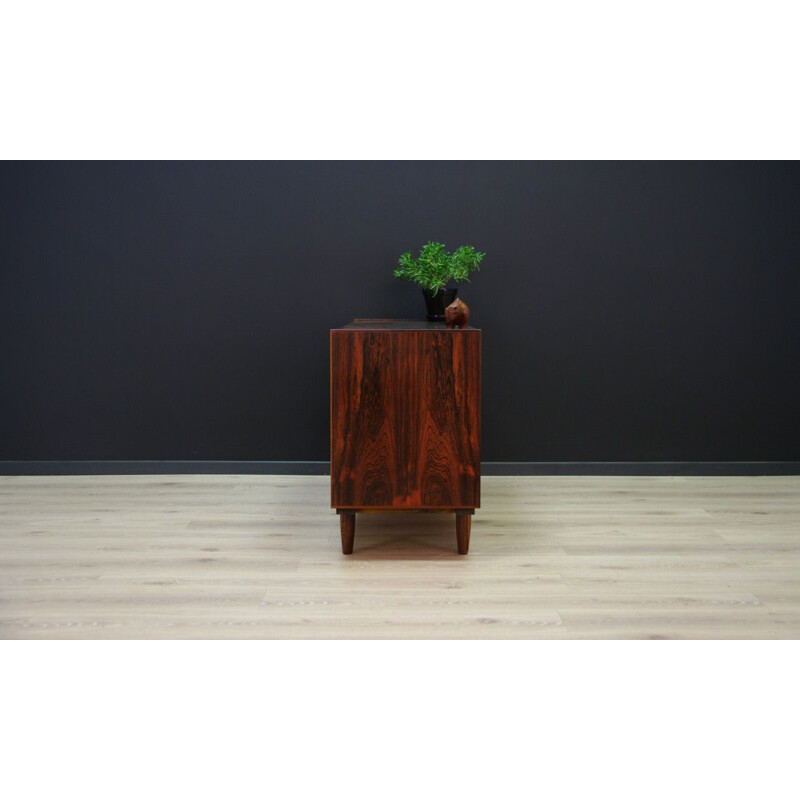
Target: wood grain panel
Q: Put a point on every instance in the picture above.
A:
(405, 418)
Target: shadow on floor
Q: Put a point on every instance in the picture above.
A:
(405, 536)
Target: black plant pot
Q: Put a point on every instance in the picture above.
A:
(435, 304)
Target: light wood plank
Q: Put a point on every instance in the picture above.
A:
(554, 557)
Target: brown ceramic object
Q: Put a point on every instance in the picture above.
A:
(457, 313)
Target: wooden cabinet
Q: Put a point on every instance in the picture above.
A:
(405, 421)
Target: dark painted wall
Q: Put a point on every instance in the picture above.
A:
(631, 311)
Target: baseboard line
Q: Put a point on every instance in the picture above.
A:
(323, 468)
(164, 467)
(641, 468)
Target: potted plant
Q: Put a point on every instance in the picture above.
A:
(433, 269)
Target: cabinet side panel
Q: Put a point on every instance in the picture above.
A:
(405, 419)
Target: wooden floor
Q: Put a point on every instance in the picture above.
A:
(218, 557)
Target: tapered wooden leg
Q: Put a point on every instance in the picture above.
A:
(463, 528)
(347, 522)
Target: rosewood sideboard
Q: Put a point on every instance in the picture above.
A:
(405, 421)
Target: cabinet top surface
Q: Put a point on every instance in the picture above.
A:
(399, 325)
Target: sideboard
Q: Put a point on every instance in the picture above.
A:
(405, 421)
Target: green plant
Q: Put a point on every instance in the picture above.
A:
(435, 266)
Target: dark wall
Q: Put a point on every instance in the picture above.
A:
(630, 311)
